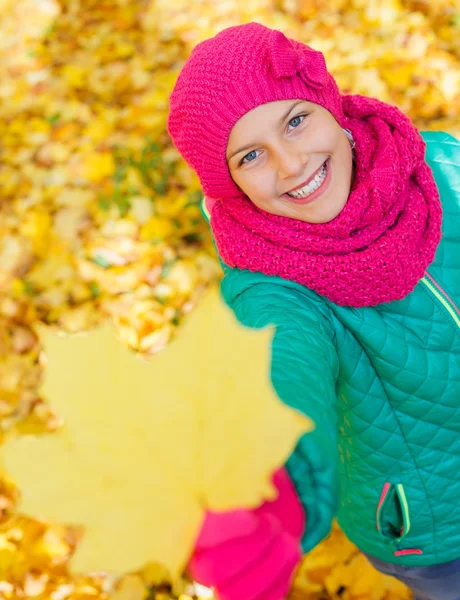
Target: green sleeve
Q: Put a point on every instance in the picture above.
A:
(304, 370)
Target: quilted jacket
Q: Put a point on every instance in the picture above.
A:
(383, 387)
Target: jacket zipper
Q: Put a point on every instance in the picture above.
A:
(391, 490)
(442, 296)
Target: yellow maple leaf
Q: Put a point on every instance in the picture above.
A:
(147, 446)
(36, 226)
(75, 75)
(98, 165)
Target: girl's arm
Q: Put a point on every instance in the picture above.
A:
(304, 370)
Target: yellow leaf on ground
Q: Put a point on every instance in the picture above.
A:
(97, 166)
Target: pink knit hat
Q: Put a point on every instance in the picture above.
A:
(228, 75)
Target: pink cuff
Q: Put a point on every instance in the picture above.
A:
(251, 554)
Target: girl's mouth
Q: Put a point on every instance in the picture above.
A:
(314, 189)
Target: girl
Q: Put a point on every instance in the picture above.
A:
(337, 222)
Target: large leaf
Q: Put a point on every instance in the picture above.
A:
(147, 446)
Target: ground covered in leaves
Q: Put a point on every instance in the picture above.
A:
(99, 216)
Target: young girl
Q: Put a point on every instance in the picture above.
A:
(337, 222)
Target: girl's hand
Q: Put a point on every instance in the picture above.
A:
(252, 553)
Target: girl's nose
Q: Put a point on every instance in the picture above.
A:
(291, 163)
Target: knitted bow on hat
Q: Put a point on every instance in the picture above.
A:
(287, 61)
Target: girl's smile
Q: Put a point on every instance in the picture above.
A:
(320, 180)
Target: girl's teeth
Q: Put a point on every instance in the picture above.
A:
(312, 186)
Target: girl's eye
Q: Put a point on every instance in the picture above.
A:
(244, 157)
(298, 117)
(243, 160)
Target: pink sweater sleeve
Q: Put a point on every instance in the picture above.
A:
(252, 554)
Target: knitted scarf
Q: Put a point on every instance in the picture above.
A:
(378, 247)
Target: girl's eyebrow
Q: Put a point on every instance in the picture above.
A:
(247, 146)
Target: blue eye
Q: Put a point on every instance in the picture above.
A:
(298, 117)
(244, 157)
(242, 161)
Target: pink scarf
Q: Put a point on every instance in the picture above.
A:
(378, 247)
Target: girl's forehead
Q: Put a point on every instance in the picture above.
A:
(277, 108)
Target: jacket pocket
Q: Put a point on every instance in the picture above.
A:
(393, 522)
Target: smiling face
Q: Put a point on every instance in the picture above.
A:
(278, 146)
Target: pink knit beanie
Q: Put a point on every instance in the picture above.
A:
(228, 75)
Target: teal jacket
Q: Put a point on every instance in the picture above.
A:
(383, 387)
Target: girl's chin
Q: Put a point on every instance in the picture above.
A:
(302, 213)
